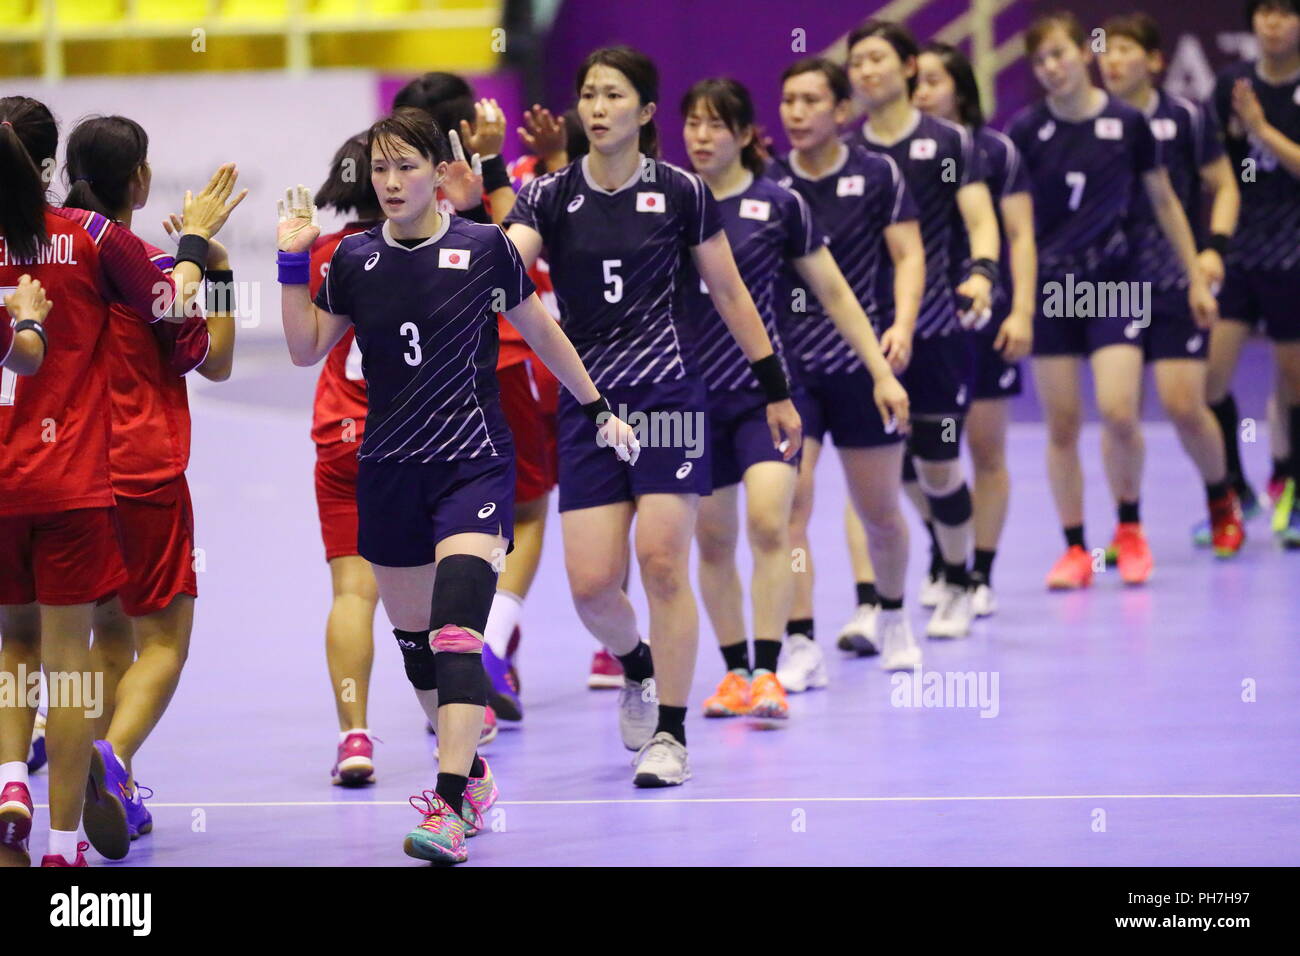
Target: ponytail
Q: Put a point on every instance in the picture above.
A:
(28, 141)
(104, 153)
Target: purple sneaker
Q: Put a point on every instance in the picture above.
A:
(36, 756)
(502, 695)
(139, 820)
(107, 794)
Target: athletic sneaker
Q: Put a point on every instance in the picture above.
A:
(932, 590)
(441, 837)
(952, 618)
(1289, 536)
(731, 699)
(984, 602)
(803, 666)
(606, 671)
(1282, 510)
(1228, 530)
(36, 755)
(502, 694)
(662, 762)
(1203, 533)
(355, 764)
(859, 634)
(1276, 488)
(57, 859)
(480, 795)
(15, 824)
(767, 697)
(1072, 570)
(1132, 554)
(139, 821)
(638, 712)
(899, 650)
(107, 793)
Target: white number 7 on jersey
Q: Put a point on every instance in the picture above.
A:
(1076, 182)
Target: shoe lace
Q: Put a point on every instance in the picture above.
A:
(434, 809)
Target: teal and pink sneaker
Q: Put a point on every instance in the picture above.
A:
(441, 837)
(15, 824)
(139, 821)
(108, 791)
(480, 794)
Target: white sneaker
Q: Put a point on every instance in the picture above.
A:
(662, 762)
(899, 649)
(638, 712)
(984, 602)
(952, 618)
(932, 590)
(802, 666)
(859, 634)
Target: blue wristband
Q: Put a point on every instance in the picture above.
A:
(295, 267)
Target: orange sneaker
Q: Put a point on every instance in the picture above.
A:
(767, 697)
(1072, 570)
(1226, 531)
(1132, 554)
(731, 699)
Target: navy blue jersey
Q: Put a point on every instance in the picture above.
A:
(616, 263)
(426, 323)
(1188, 137)
(1005, 174)
(937, 158)
(851, 206)
(1084, 176)
(766, 225)
(1268, 232)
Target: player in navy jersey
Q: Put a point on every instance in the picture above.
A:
(861, 204)
(1192, 152)
(946, 88)
(766, 225)
(1258, 104)
(435, 482)
(1088, 155)
(617, 226)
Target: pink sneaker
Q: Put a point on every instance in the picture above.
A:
(355, 766)
(51, 859)
(15, 825)
(606, 671)
(480, 794)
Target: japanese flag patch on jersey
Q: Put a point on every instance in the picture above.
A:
(1108, 127)
(650, 202)
(453, 258)
(851, 186)
(1164, 128)
(755, 209)
(922, 149)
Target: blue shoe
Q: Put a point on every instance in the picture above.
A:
(502, 695)
(36, 756)
(139, 820)
(107, 794)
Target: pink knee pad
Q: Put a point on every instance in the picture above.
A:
(456, 640)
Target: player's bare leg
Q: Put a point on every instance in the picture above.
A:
(1057, 379)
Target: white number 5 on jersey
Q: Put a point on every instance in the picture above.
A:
(412, 330)
(615, 293)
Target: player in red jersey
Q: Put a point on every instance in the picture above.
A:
(59, 552)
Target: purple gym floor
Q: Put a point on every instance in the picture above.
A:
(1121, 735)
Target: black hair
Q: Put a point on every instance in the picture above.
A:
(104, 153)
(348, 188)
(965, 88)
(1139, 27)
(1045, 23)
(641, 72)
(414, 127)
(444, 96)
(1254, 6)
(835, 76)
(29, 138)
(730, 102)
(896, 35)
(575, 137)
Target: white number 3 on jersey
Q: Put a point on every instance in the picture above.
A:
(412, 330)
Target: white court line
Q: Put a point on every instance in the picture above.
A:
(650, 801)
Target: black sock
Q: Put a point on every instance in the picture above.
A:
(982, 571)
(803, 625)
(476, 768)
(451, 787)
(766, 654)
(867, 593)
(936, 553)
(956, 574)
(1294, 461)
(1213, 492)
(1225, 413)
(736, 656)
(1128, 512)
(638, 665)
(891, 604)
(672, 720)
(1074, 536)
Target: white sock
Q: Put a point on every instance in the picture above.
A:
(429, 702)
(501, 622)
(63, 843)
(15, 771)
(343, 734)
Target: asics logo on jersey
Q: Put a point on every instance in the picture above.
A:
(1131, 330)
(685, 470)
(785, 182)
(851, 186)
(961, 395)
(1194, 342)
(372, 261)
(487, 509)
(575, 204)
(1007, 378)
(1108, 127)
(1046, 131)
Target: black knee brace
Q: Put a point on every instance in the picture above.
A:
(462, 593)
(936, 439)
(418, 657)
(460, 676)
(951, 509)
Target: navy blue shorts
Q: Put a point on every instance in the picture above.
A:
(938, 378)
(994, 376)
(1268, 296)
(404, 510)
(1174, 334)
(1067, 334)
(841, 403)
(671, 421)
(739, 434)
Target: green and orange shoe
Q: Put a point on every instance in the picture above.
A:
(441, 837)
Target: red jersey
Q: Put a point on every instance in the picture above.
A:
(341, 388)
(513, 347)
(54, 425)
(6, 334)
(150, 445)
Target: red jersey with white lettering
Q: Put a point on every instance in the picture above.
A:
(339, 411)
(150, 446)
(513, 347)
(6, 336)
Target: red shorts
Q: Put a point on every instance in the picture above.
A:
(529, 393)
(158, 544)
(61, 558)
(336, 498)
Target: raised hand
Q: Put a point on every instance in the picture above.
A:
(463, 185)
(28, 301)
(218, 257)
(543, 133)
(298, 228)
(488, 134)
(207, 212)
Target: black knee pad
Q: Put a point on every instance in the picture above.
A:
(462, 593)
(936, 439)
(460, 678)
(951, 509)
(418, 657)
(909, 466)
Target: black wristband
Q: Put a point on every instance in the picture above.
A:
(988, 268)
(478, 213)
(1218, 242)
(594, 410)
(220, 285)
(192, 248)
(31, 325)
(495, 175)
(771, 378)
